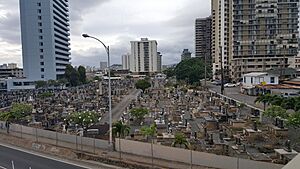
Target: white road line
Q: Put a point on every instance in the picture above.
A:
(55, 159)
(12, 165)
(2, 167)
(40, 155)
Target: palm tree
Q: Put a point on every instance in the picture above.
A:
(149, 131)
(265, 99)
(181, 140)
(288, 103)
(120, 129)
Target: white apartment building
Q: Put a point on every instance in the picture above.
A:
(144, 58)
(221, 37)
(125, 61)
(45, 38)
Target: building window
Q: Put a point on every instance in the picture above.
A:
(42, 69)
(251, 80)
(40, 17)
(41, 56)
(39, 4)
(42, 76)
(41, 37)
(272, 79)
(40, 24)
(39, 11)
(41, 44)
(42, 50)
(42, 63)
(40, 30)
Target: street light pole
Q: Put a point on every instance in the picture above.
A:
(109, 84)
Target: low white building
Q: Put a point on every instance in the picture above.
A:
(11, 84)
(256, 78)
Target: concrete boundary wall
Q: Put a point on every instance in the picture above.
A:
(190, 157)
(55, 138)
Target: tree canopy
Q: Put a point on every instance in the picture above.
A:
(142, 84)
(17, 111)
(74, 76)
(181, 140)
(276, 111)
(119, 129)
(149, 131)
(85, 119)
(192, 70)
(169, 72)
(82, 74)
(139, 113)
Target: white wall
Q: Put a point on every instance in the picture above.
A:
(259, 79)
(183, 155)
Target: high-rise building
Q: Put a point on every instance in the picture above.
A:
(45, 38)
(265, 35)
(143, 58)
(11, 70)
(203, 38)
(186, 54)
(159, 62)
(125, 61)
(221, 48)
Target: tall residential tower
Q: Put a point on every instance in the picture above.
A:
(221, 48)
(144, 57)
(203, 38)
(265, 34)
(45, 38)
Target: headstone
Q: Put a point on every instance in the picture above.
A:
(255, 126)
(280, 123)
(288, 146)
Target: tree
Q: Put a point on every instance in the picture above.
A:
(120, 130)
(62, 82)
(149, 131)
(288, 103)
(181, 140)
(45, 95)
(169, 72)
(82, 74)
(85, 119)
(264, 98)
(192, 70)
(142, 84)
(276, 111)
(17, 112)
(294, 120)
(40, 84)
(72, 75)
(139, 113)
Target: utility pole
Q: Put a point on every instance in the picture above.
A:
(222, 71)
(205, 70)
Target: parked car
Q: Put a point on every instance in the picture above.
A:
(217, 82)
(230, 85)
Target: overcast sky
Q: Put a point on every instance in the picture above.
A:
(116, 23)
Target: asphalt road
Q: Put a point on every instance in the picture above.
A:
(234, 93)
(22, 160)
(120, 107)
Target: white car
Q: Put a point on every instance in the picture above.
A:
(229, 85)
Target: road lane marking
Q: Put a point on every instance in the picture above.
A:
(2, 167)
(69, 162)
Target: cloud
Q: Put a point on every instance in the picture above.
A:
(116, 23)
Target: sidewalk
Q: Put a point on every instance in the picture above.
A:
(103, 156)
